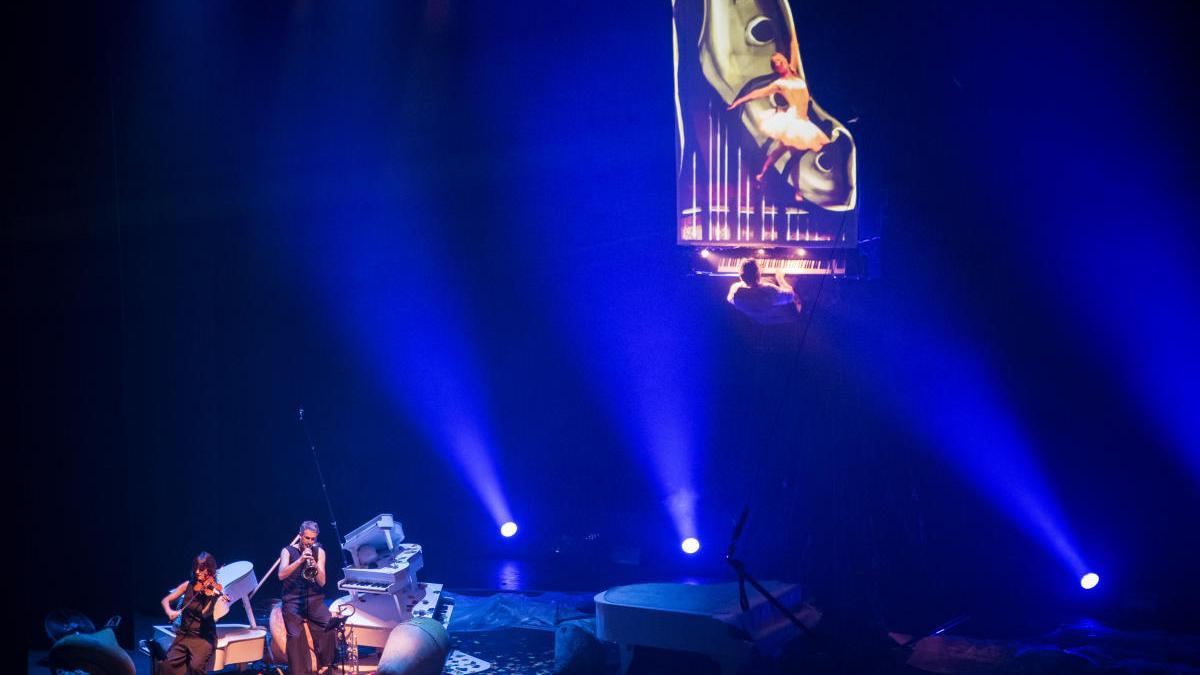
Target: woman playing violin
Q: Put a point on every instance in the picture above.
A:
(196, 632)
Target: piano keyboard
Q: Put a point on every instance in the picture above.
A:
(400, 573)
(371, 587)
(797, 266)
(441, 614)
(434, 605)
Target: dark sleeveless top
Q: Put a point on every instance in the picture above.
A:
(197, 617)
(296, 586)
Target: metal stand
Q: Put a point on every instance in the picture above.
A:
(321, 477)
(744, 578)
(346, 654)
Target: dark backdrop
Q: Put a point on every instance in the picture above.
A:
(188, 178)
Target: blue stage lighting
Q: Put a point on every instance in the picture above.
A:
(690, 545)
(1089, 580)
(508, 529)
(975, 427)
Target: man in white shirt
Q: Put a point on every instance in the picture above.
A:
(766, 302)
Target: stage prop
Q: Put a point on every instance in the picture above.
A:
(416, 647)
(383, 585)
(703, 619)
(762, 171)
(386, 600)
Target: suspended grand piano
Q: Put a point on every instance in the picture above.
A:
(746, 187)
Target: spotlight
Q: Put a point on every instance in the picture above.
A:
(508, 529)
(800, 253)
(762, 251)
(704, 253)
(1089, 581)
(690, 545)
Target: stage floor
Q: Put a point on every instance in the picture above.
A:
(506, 612)
(511, 651)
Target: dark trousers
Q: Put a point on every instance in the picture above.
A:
(312, 609)
(188, 654)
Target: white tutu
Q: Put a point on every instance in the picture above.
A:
(794, 131)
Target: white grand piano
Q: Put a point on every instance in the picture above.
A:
(701, 618)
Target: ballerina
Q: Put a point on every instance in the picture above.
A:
(789, 126)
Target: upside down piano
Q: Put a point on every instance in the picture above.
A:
(382, 585)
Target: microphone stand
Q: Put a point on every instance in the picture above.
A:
(744, 577)
(838, 657)
(346, 654)
(324, 490)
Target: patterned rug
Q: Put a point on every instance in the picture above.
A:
(510, 650)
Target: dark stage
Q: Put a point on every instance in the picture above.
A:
(502, 617)
(497, 254)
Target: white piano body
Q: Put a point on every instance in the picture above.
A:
(382, 582)
(704, 619)
(376, 614)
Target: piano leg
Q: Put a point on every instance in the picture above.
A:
(626, 657)
(249, 612)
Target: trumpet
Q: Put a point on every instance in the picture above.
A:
(310, 567)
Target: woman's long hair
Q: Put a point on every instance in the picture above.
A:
(206, 561)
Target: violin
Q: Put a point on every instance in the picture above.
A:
(209, 587)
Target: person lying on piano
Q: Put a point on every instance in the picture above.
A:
(196, 634)
(302, 571)
(765, 302)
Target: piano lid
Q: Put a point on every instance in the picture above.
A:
(376, 540)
